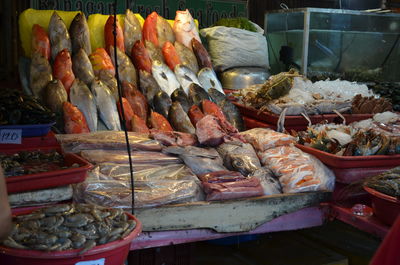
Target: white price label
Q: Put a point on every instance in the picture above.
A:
(92, 262)
(8, 136)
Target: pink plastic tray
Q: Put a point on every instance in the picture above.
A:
(385, 207)
(33, 142)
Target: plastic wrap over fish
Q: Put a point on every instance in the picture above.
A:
(109, 185)
(106, 140)
(262, 139)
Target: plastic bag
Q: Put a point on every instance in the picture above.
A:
(297, 171)
(232, 47)
(262, 138)
(268, 181)
(107, 140)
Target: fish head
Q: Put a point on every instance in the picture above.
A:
(243, 164)
(184, 20)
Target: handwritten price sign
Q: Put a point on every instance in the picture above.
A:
(8, 136)
(92, 262)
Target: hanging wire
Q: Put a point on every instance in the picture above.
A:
(122, 114)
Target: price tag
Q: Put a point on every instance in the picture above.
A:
(9, 136)
(92, 262)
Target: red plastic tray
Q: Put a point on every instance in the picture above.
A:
(251, 123)
(351, 175)
(385, 207)
(33, 142)
(48, 179)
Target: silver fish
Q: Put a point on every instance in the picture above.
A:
(208, 79)
(155, 52)
(40, 74)
(80, 36)
(126, 70)
(185, 77)
(82, 67)
(55, 95)
(81, 97)
(186, 56)
(269, 182)
(165, 78)
(106, 105)
(132, 31)
(148, 86)
(59, 36)
(107, 78)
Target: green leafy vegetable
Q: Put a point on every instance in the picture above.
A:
(238, 22)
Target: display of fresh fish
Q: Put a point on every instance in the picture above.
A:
(170, 55)
(82, 67)
(148, 86)
(197, 94)
(154, 51)
(202, 56)
(40, 74)
(162, 103)
(139, 125)
(81, 97)
(141, 57)
(186, 56)
(157, 30)
(165, 78)
(232, 113)
(132, 31)
(185, 29)
(107, 78)
(159, 122)
(180, 96)
(54, 96)
(239, 156)
(208, 79)
(80, 36)
(62, 69)
(40, 41)
(74, 121)
(268, 181)
(106, 105)
(101, 61)
(136, 99)
(179, 119)
(128, 113)
(185, 77)
(195, 114)
(109, 35)
(126, 70)
(59, 36)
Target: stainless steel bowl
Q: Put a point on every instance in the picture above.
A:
(238, 78)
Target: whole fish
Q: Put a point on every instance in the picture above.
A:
(197, 94)
(180, 96)
(59, 36)
(154, 51)
(106, 105)
(101, 61)
(81, 97)
(239, 156)
(186, 56)
(40, 41)
(80, 36)
(165, 78)
(232, 113)
(170, 55)
(162, 103)
(210, 108)
(128, 113)
(82, 67)
(185, 77)
(141, 57)
(62, 69)
(185, 29)
(126, 70)
(268, 181)
(139, 125)
(164, 31)
(157, 30)
(195, 114)
(202, 56)
(148, 86)
(179, 119)
(74, 121)
(159, 122)
(149, 31)
(108, 79)
(54, 96)
(109, 35)
(136, 99)
(208, 79)
(40, 74)
(132, 31)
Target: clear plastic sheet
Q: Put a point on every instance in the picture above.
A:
(109, 185)
(262, 139)
(297, 171)
(110, 140)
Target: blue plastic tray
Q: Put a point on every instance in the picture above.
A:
(31, 130)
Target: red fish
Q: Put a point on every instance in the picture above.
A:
(74, 121)
(136, 99)
(139, 125)
(62, 69)
(170, 55)
(159, 122)
(40, 41)
(101, 61)
(202, 56)
(195, 114)
(149, 30)
(109, 36)
(127, 111)
(141, 57)
(210, 108)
